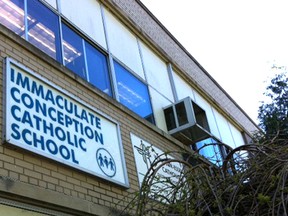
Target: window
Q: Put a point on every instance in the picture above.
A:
(42, 24)
(210, 150)
(73, 51)
(133, 93)
(85, 60)
(98, 69)
(43, 29)
(12, 15)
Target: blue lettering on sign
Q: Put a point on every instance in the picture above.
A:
(49, 122)
(13, 94)
(49, 146)
(15, 108)
(61, 103)
(58, 116)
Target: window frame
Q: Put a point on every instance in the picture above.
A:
(109, 79)
(149, 117)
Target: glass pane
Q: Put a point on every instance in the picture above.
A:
(210, 150)
(73, 51)
(98, 69)
(12, 15)
(133, 93)
(43, 29)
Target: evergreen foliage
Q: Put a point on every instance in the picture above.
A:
(273, 116)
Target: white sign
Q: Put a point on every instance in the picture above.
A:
(48, 121)
(145, 155)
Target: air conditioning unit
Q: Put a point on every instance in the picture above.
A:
(186, 121)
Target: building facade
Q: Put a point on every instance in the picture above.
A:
(85, 85)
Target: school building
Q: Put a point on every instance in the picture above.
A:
(86, 86)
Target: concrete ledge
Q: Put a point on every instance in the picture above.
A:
(27, 193)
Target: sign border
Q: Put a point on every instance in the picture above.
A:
(7, 66)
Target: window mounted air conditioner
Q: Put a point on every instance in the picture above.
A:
(186, 121)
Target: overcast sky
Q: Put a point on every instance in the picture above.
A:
(236, 41)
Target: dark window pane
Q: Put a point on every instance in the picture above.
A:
(133, 93)
(170, 119)
(200, 116)
(73, 51)
(12, 15)
(97, 69)
(181, 113)
(43, 29)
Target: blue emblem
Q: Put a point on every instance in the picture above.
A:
(106, 162)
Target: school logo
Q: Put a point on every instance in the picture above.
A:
(145, 152)
(106, 162)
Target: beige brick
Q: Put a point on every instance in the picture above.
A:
(86, 185)
(7, 158)
(13, 55)
(32, 159)
(96, 200)
(111, 194)
(49, 165)
(74, 193)
(80, 176)
(33, 181)
(80, 189)
(20, 53)
(41, 169)
(13, 153)
(117, 190)
(33, 174)
(81, 196)
(105, 186)
(59, 189)
(52, 187)
(3, 172)
(67, 191)
(24, 178)
(58, 175)
(13, 175)
(73, 181)
(24, 164)
(92, 181)
(88, 198)
(106, 198)
(6, 47)
(50, 179)
(94, 193)
(13, 167)
(65, 171)
(99, 190)
(66, 184)
(42, 184)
